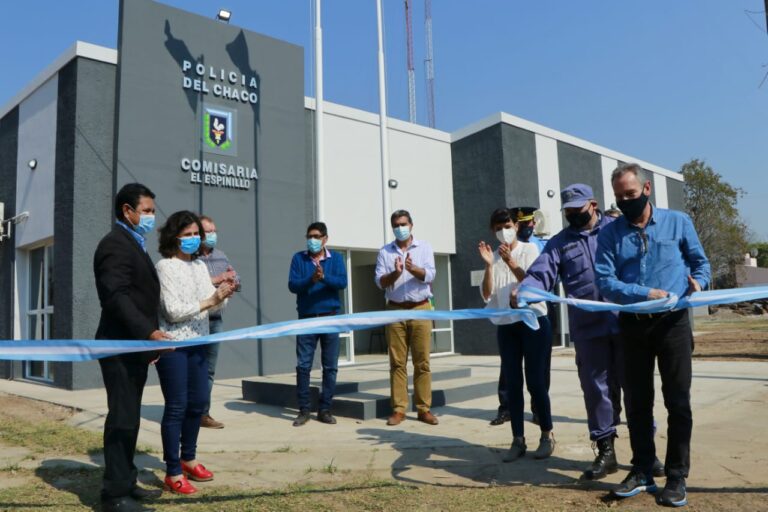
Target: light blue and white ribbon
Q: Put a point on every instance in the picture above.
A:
(86, 350)
(673, 302)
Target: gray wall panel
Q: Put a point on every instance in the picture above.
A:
(520, 172)
(675, 195)
(478, 188)
(9, 139)
(579, 165)
(92, 192)
(159, 123)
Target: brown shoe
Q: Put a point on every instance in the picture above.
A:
(207, 422)
(396, 418)
(428, 418)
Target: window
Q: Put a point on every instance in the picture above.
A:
(39, 318)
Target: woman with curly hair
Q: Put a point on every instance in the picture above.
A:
(186, 297)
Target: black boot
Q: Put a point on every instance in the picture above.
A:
(605, 462)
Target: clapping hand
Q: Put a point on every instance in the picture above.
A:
(409, 266)
(399, 265)
(505, 253)
(318, 275)
(224, 291)
(486, 252)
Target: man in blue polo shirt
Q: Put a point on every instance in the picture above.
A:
(651, 253)
(317, 276)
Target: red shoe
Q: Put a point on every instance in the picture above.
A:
(181, 486)
(197, 473)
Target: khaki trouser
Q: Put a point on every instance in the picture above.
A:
(416, 335)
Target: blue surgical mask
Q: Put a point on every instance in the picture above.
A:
(145, 225)
(210, 240)
(189, 244)
(402, 233)
(314, 245)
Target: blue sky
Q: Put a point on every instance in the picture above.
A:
(664, 81)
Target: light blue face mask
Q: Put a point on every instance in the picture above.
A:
(314, 245)
(189, 244)
(402, 233)
(145, 225)
(210, 240)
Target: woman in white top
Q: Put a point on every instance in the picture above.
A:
(186, 297)
(504, 269)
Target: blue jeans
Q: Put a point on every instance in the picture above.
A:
(184, 381)
(306, 344)
(215, 325)
(518, 343)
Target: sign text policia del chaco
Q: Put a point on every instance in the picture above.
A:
(219, 125)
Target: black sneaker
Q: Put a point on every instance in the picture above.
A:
(658, 468)
(326, 417)
(674, 494)
(301, 419)
(635, 483)
(501, 418)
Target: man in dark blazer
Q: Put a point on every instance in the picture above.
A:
(129, 293)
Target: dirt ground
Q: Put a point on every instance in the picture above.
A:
(727, 336)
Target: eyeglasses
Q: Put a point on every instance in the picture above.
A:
(644, 238)
(315, 236)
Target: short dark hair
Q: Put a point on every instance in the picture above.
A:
(171, 229)
(501, 216)
(130, 194)
(400, 213)
(320, 226)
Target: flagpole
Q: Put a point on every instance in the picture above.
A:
(319, 170)
(385, 195)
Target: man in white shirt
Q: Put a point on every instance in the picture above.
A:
(405, 269)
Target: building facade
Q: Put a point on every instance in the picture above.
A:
(97, 118)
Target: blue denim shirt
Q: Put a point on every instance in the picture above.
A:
(139, 238)
(630, 261)
(570, 256)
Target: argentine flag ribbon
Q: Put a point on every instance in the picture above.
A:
(529, 294)
(87, 350)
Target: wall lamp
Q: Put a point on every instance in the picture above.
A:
(392, 183)
(224, 15)
(32, 164)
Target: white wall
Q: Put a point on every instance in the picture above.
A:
(420, 160)
(548, 167)
(37, 140)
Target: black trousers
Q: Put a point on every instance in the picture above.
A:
(124, 378)
(669, 340)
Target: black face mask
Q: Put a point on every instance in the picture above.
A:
(524, 233)
(633, 208)
(579, 219)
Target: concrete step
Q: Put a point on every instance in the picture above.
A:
(281, 389)
(374, 402)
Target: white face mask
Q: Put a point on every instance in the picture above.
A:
(506, 235)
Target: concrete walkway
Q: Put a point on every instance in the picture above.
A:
(260, 448)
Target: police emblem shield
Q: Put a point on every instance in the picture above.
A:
(219, 131)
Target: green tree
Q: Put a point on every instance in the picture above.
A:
(762, 253)
(712, 204)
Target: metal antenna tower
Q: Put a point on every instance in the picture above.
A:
(411, 71)
(429, 66)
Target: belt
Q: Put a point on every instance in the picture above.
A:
(646, 316)
(315, 315)
(407, 304)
